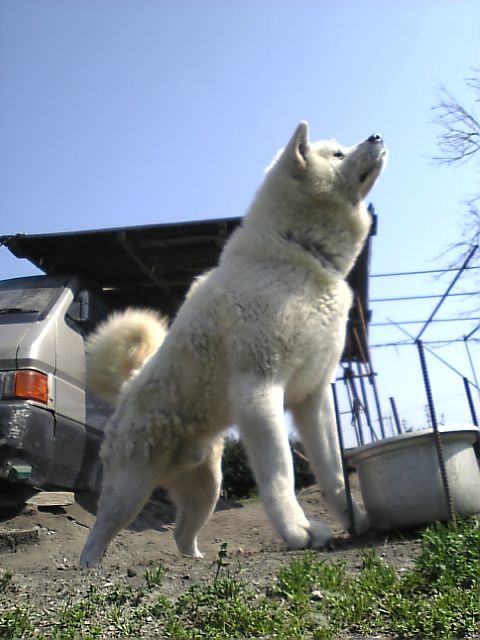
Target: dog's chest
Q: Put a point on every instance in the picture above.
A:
(317, 343)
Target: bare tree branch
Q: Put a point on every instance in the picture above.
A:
(459, 139)
(458, 143)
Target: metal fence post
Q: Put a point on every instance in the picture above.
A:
(471, 406)
(348, 489)
(393, 404)
(438, 441)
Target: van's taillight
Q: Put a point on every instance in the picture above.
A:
(31, 385)
(25, 384)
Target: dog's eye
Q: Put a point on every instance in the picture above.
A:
(338, 154)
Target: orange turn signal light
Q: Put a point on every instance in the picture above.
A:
(31, 385)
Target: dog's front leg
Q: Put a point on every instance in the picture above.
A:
(259, 415)
(316, 425)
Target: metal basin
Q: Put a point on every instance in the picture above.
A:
(401, 482)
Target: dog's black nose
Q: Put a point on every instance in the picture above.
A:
(375, 138)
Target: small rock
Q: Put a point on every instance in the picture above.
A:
(316, 595)
(30, 510)
(131, 573)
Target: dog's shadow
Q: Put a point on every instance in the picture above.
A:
(157, 514)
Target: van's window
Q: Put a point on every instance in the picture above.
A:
(27, 299)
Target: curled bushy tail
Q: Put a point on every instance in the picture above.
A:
(119, 347)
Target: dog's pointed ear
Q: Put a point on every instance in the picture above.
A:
(297, 150)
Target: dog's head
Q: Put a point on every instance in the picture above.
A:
(327, 168)
(314, 194)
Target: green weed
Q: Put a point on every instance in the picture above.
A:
(154, 577)
(16, 623)
(6, 580)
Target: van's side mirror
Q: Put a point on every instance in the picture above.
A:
(79, 310)
(84, 304)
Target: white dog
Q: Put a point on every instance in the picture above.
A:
(264, 329)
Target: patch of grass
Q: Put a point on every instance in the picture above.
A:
(154, 577)
(72, 619)
(16, 623)
(450, 557)
(6, 580)
(311, 598)
(229, 608)
(438, 599)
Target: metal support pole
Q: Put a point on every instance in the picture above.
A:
(466, 383)
(352, 412)
(470, 359)
(438, 441)
(393, 404)
(366, 357)
(346, 477)
(377, 403)
(366, 408)
(471, 406)
(356, 405)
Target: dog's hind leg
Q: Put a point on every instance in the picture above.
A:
(316, 425)
(125, 490)
(195, 493)
(258, 412)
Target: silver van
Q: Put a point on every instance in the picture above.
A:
(50, 427)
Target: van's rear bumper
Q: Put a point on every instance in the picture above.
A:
(39, 450)
(27, 434)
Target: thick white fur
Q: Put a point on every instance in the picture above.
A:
(264, 329)
(119, 347)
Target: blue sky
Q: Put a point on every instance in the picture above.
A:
(136, 112)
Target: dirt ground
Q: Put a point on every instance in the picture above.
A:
(42, 545)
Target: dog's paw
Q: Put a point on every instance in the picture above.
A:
(91, 555)
(195, 554)
(320, 535)
(313, 535)
(87, 561)
(188, 548)
(362, 522)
